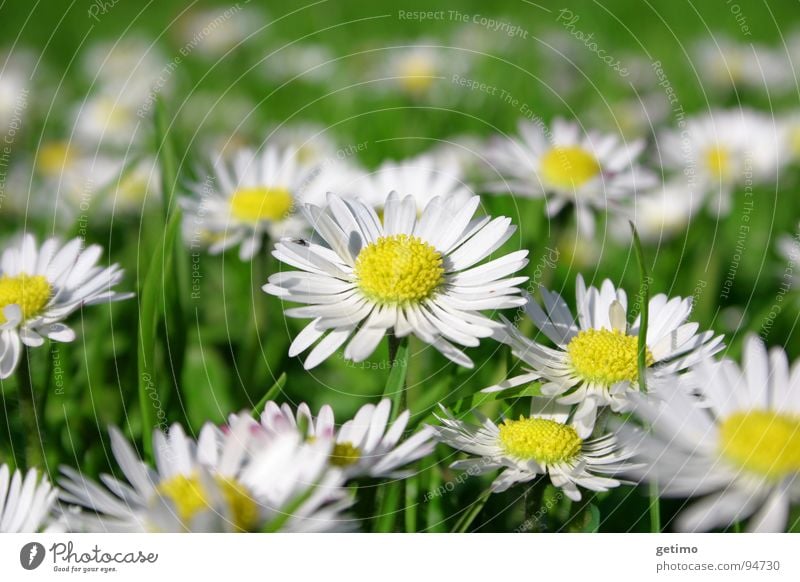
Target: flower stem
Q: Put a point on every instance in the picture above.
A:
(29, 412)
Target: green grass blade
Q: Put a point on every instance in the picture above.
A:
(151, 310)
(271, 394)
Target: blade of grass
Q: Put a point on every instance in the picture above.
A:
(150, 312)
(469, 515)
(644, 300)
(276, 389)
(396, 384)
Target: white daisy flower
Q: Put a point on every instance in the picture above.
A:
(595, 361)
(589, 170)
(91, 185)
(365, 446)
(544, 443)
(127, 68)
(739, 445)
(234, 481)
(420, 69)
(313, 143)
(725, 64)
(406, 274)
(311, 63)
(15, 86)
(26, 505)
(658, 215)
(724, 150)
(424, 178)
(42, 286)
(213, 32)
(239, 203)
(106, 119)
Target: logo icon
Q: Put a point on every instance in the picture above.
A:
(31, 555)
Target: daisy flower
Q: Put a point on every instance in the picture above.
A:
(725, 64)
(566, 165)
(544, 443)
(595, 359)
(241, 202)
(42, 286)
(738, 445)
(222, 482)
(723, 150)
(409, 274)
(658, 215)
(424, 178)
(365, 446)
(26, 505)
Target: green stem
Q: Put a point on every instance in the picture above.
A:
(655, 508)
(29, 412)
(469, 515)
(398, 368)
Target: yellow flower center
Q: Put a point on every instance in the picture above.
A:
(794, 141)
(31, 292)
(539, 439)
(257, 204)
(344, 455)
(399, 269)
(416, 74)
(568, 167)
(606, 356)
(762, 441)
(191, 497)
(53, 157)
(718, 161)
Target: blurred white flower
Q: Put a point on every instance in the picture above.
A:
(724, 150)
(729, 434)
(568, 166)
(26, 505)
(237, 481)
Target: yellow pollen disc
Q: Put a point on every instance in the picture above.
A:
(539, 439)
(190, 498)
(606, 356)
(31, 292)
(794, 142)
(344, 455)
(416, 74)
(762, 441)
(53, 157)
(718, 161)
(399, 269)
(568, 167)
(257, 204)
